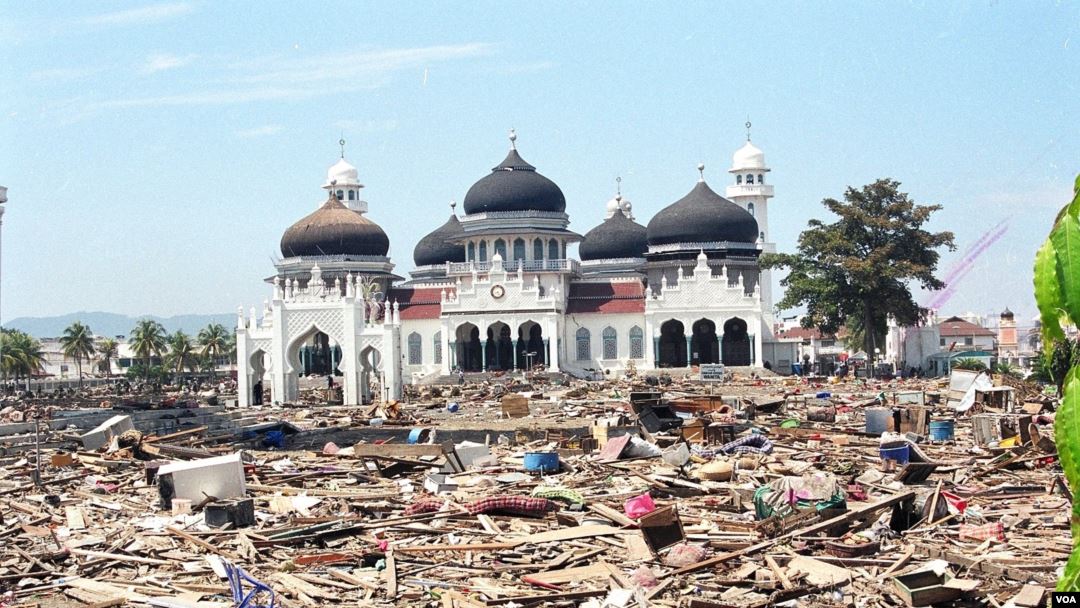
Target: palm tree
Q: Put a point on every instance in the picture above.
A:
(20, 355)
(1007, 369)
(969, 363)
(148, 338)
(181, 353)
(107, 350)
(214, 342)
(78, 344)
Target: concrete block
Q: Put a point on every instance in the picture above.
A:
(104, 433)
(221, 477)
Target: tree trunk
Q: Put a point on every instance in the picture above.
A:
(78, 368)
(868, 339)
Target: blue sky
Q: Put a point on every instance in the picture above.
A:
(155, 152)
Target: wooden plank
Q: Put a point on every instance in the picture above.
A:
(606, 511)
(120, 557)
(848, 517)
(391, 575)
(201, 543)
(779, 572)
(396, 450)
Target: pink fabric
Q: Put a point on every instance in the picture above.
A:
(639, 505)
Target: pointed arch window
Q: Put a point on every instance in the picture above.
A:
(519, 249)
(761, 178)
(637, 343)
(438, 347)
(483, 251)
(738, 180)
(340, 195)
(538, 249)
(352, 195)
(750, 208)
(500, 248)
(584, 345)
(472, 252)
(416, 356)
(553, 249)
(611, 343)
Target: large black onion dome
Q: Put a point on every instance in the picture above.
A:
(617, 237)
(334, 229)
(514, 186)
(438, 248)
(702, 216)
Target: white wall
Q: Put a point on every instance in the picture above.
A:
(596, 323)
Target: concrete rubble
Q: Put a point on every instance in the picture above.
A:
(544, 491)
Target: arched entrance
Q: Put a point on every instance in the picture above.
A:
(672, 345)
(370, 375)
(736, 343)
(258, 363)
(531, 340)
(316, 354)
(500, 347)
(469, 357)
(704, 347)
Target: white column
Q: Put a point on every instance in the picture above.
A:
(552, 330)
(446, 354)
(353, 318)
(280, 366)
(759, 360)
(243, 368)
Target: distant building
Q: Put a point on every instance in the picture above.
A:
(496, 290)
(958, 334)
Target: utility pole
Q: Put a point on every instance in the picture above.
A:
(3, 200)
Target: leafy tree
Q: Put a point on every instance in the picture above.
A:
(182, 354)
(107, 349)
(21, 356)
(78, 345)
(858, 270)
(214, 342)
(1057, 293)
(970, 364)
(1007, 369)
(148, 338)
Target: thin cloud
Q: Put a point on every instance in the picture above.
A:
(284, 79)
(161, 62)
(152, 13)
(60, 75)
(366, 126)
(263, 131)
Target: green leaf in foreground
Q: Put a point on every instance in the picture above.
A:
(1066, 240)
(1048, 294)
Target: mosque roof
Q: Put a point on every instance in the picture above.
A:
(334, 229)
(702, 216)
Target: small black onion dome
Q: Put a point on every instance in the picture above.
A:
(514, 186)
(702, 216)
(437, 248)
(334, 229)
(617, 237)
(1008, 314)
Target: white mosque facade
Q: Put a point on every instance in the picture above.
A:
(496, 289)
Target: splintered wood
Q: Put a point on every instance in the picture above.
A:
(759, 491)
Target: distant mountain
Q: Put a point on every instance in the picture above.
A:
(111, 324)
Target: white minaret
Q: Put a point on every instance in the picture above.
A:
(752, 193)
(343, 179)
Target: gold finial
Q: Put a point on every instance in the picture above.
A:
(453, 207)
(341, 142)
(701, 171)
(513, 139)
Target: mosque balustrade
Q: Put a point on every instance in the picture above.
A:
(462, 268)
(503, 292)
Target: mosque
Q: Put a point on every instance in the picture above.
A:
(496, 288)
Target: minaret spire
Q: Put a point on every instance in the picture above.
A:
(513, 139)
(341, 142)
(748, 128)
